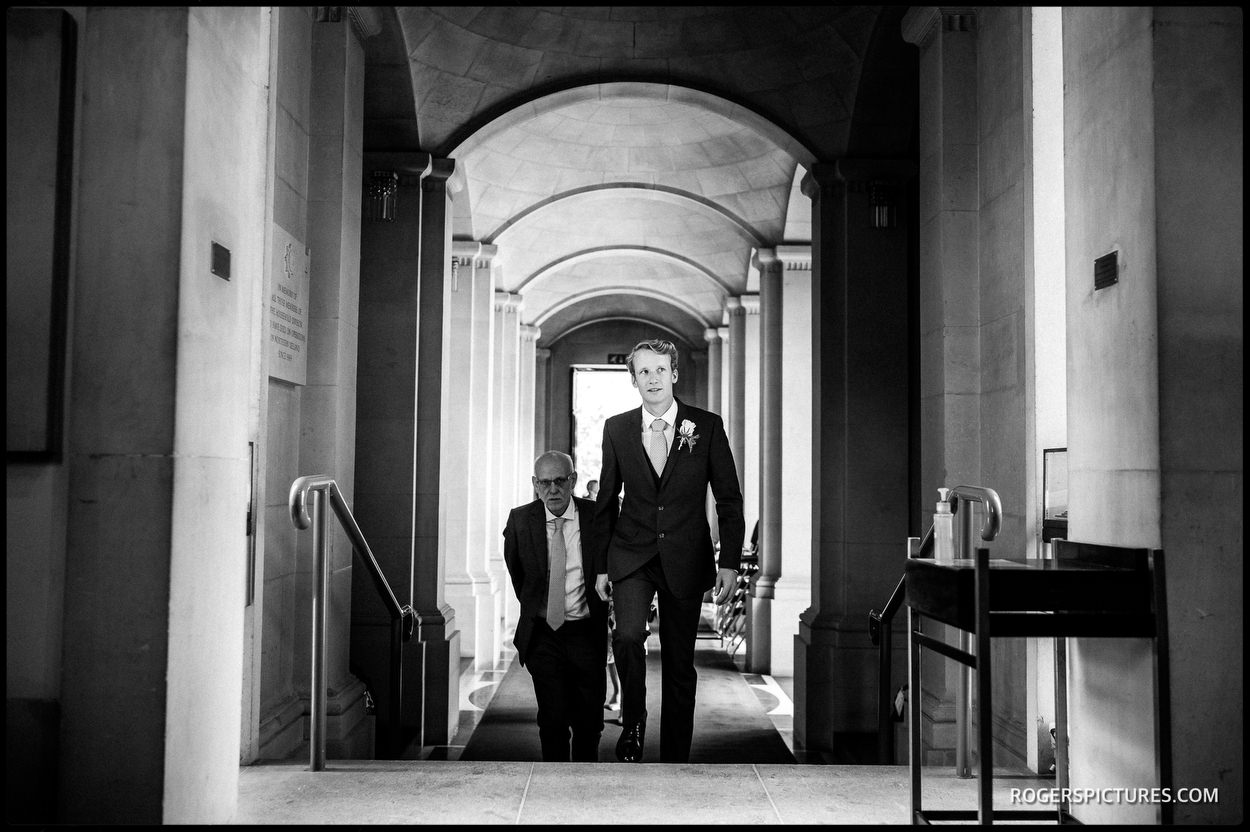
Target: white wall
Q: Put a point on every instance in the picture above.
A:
(222, 201)
(1153, 146)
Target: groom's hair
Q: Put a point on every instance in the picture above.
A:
(657, 346)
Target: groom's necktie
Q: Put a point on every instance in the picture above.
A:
(658, 448)
(555, 578)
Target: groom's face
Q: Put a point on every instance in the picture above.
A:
(654, 377)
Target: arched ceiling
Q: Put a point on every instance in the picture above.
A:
(627, 161)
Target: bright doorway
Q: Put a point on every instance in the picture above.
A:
(599, 391)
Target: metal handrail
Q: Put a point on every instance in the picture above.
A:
(987, 497)
(315, 489)
(881, 632)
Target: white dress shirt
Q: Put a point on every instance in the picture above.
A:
(670, 427)
(575, 605)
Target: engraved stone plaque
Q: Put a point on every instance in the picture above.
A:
(287, 317)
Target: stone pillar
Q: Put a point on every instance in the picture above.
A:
(438, 413)
(328, 401)
(723, 332)
(469, 585)
(735, 401)
(713, 339)
(860, 448)
(507, 344)
(695, 362)
(386, 429)
(484, 458)
(750, 463)
(759, 616)
(526, 446)
(793, 590)
(950, 366)
(715, 388)
(542, 441)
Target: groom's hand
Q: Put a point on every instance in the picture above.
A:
(601, 586)
(726, 581)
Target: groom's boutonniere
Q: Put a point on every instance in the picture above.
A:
(687, 434)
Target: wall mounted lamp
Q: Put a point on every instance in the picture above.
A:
(383, 195)
(881, 198)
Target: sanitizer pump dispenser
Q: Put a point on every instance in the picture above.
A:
(943, 528)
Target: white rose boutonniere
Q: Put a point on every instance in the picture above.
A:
(686, 434)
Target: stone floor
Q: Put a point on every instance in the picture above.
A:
(439, 788)
(453, 792)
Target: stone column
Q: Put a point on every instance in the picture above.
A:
(793, 590)
(327, 409)
(484, 458)
(723, 332)
(950, 365)
(715, 387)
(750, 464)
(542, 440)
(527, 449)
(438, 415)
(712, 337)
(759, 617)
(860, 448)
(469, 585)
(735, 401)
(386, 429)
(507, 344)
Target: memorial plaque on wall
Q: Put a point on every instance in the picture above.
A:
(288, 308)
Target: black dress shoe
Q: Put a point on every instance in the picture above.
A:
(629, 746)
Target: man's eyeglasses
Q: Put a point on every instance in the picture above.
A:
(559, 482)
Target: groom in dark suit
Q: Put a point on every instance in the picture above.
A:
(561, 635)
(665, 455)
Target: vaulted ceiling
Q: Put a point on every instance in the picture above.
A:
(626, 161)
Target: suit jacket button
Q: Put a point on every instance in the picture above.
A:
(661, 508)
(661, 535)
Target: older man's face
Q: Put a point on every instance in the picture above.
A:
(554, 480)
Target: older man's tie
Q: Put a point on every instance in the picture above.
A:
(555, 578)
(658, 448)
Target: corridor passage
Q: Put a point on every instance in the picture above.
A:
(738, 719)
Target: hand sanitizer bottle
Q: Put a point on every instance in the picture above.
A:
(943, 528)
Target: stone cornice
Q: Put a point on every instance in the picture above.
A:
(471, 251)
(440, 171)
(845, 170)
(507, 301)
(465, 252)
(765, 259)
(795, 258)
(751, 303)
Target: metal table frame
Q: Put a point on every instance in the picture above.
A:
(1087, 590)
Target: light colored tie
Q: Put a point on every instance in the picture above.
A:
(555, 579)
(659, 447)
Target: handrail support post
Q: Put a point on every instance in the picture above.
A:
(320, 600)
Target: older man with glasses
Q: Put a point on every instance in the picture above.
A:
(560, 635)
